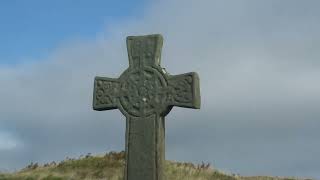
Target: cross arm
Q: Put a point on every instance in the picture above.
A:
(106, 93)
(184, 90)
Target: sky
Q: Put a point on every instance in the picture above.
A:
(40, 26)
(258, 64)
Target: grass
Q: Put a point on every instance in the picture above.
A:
(110, 167)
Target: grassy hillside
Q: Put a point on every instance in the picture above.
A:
(110, 167)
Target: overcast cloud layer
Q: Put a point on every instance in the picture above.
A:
(259, 68)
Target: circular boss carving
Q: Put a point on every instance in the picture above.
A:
(142, 91)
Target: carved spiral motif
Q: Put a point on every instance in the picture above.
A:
(142, 92)
(105, 92)
(183, 90)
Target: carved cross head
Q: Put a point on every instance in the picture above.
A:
(145, 88)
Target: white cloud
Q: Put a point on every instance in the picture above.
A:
(7, 141)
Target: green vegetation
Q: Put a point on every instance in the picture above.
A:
(111, 166)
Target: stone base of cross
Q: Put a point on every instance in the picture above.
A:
(145, 94)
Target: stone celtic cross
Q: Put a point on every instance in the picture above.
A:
(145, 94)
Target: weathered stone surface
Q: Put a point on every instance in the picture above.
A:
(145, 94)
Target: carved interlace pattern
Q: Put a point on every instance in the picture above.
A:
(181, 89)
(142, 92)
(106, 92)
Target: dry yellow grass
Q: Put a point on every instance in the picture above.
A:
(110, 167)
